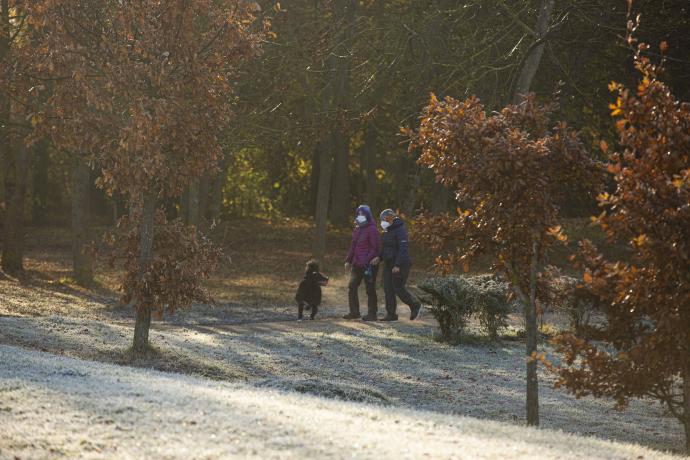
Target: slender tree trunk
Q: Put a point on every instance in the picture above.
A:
(204, 198)
(531, 332)
(412, 191)
(193, 203)
(12, 155)
(41, 164)
(184, 206)
(82, 261)
(324, 192)
(340, 202)
(686, 405)
(217, 192)
(143, 312)
(345, 20)
(16, 159)
(314, 177)
(369, 161)
(115, 213)
(439, 198)
(533, 59)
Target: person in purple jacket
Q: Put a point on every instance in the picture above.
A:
(365, 247)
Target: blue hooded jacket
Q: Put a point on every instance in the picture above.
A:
(395, 248)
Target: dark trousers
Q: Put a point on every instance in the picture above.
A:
(356, 277)
(394, 286)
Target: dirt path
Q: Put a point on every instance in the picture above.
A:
(54, 407)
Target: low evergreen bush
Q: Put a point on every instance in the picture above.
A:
(493, 307)
(455, 299)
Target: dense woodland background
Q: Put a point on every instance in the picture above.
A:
(336, 81)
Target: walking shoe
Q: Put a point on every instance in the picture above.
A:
(370, 318)
(389, 318)
(351, 316)
(414, 311)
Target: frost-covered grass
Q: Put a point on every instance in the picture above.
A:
(55, 407)
(251, 338)
(398, 365)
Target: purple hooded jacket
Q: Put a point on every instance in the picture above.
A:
(366, 241)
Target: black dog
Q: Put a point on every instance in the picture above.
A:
(309, 292)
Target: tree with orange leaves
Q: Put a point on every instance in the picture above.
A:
(511, 168)
(144, 88)
(643, 347)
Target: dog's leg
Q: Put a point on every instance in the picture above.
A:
(300, 309)
(314, 310)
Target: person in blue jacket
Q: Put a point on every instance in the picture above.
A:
(396, 266)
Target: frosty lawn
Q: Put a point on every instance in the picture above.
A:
(56, 406)
(395, 365)
(256, 341)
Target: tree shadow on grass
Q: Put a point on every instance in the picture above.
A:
(488, 376)
(131, 400)
(399, 364)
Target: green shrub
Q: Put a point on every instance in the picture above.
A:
(454, 300)
(491, 299)
(450, 305)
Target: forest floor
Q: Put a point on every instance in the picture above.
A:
(250, 338)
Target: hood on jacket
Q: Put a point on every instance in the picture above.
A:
(397, 222)
(364, 209)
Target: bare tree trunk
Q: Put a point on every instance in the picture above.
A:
(13, 157)
(340, 56)
(184, 206)
(686, 405)
(340, 202)
(82, 262)
(314, 177)
(143, 312)
(439, 198)
(16, 159)
(322, 198)
(531, 333)
(115, 213)
(534, 55)
(412, 191)
(217, 192)
(204, 198)
(193, 217)
(529, 303)
(41, 163)
(369, 162)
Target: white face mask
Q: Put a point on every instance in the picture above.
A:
(361, 219)
(385, 224)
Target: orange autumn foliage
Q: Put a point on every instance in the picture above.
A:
(643, 347)
(144, 89)
(511, 170)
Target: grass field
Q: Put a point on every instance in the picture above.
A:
(251, 336)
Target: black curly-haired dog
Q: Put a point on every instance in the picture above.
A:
(309, 291)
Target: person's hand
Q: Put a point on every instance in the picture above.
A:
(348, 265)
(375, 261)
(396, 269)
